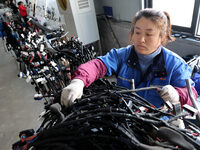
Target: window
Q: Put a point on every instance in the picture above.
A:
(180, 16)
(198, 30)
(184, 13)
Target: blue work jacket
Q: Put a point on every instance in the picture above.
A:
(167, 68)
(196, 79)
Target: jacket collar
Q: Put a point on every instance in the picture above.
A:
(133, 59)
(155, 70)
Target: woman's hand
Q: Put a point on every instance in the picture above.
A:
(169, 93)
(73, 91)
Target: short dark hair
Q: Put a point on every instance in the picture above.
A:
(19, 3)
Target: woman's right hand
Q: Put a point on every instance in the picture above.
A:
(73, 91)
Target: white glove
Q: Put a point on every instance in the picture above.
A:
(169, 93)
(73, 91)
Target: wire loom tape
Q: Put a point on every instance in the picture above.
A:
(62, 4)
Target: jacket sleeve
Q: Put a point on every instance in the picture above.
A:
(90, 71)
(184, 97)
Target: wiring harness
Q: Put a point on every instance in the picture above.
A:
(107, 119)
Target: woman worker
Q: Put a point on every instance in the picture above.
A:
(146, 61)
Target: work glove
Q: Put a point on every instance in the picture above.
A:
(73, 91)
(169, 93)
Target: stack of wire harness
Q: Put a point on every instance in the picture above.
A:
(45, 58)
(109, 118)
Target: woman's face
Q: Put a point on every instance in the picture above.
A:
(146, 36)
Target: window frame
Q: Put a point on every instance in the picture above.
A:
(194, 24)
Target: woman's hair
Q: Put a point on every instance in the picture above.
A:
(159, 18)
(19, 3)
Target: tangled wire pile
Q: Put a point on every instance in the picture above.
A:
(106, 118)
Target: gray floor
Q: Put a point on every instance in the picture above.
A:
(18, 109)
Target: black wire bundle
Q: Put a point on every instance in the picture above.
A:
(106, 119)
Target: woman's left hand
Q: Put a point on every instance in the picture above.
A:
(169, 93)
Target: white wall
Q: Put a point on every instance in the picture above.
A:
(98, 4)
(127, 9)
(122, 9)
